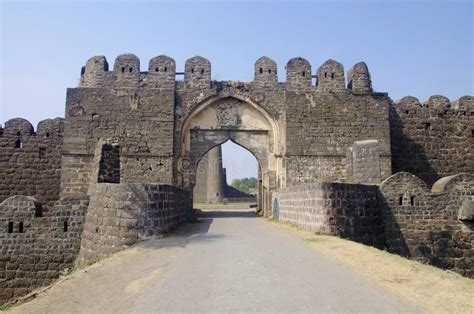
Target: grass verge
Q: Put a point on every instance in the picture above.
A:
(434, 290)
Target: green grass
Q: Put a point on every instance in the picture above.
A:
(92, 261)
(5, 306)
(316, 240)
(67, 271)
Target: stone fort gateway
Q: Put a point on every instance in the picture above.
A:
(334, 157)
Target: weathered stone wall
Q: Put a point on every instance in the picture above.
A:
(433, 139)
(316, 123)
(141, 120)
(363, 162)
(350, 211)
(109, 164)
(30, 162)
(323, 123)
(322, 126)
(200, 189)
(122, 214)
(307, 169)
(436, 226)
(34, 249)
(402, 216)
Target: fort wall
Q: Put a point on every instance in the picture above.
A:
(122, 214)
(433, 139)
(142, 121)
(433, 226)
(35, 249)
(30, 162)
(402, 216)
(320, 121)
(322, 126)
(350, 211)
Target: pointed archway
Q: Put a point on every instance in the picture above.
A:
(219, 119)
(222, 166)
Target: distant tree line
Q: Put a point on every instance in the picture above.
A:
(246, 185)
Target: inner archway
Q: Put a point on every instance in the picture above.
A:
(227, 173)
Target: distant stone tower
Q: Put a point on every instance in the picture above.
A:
(210, 178)
(215, 184)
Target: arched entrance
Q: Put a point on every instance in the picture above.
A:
(215, 175)
(219, 119)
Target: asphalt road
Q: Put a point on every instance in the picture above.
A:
(229, 262)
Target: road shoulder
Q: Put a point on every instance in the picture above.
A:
(432, 289)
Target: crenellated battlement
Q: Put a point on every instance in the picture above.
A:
(435, 106)
(31, 161)
(162, 73)
(19, 127)
(359, 79)
(432, 138)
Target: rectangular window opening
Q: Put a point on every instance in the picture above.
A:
(20, 227)
(412, 200)
(109, 164)
(10, 227)
(42, 153)
(38, 210)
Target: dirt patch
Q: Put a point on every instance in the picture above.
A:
(433, 289)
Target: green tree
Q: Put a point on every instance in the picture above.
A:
(246, 185)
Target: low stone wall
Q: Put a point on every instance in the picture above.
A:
(402, 216)
(35, 249)
(433, 226)
(122, 214)
(350, 211)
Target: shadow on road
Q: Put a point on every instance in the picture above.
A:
(197, 231)
(227, 214)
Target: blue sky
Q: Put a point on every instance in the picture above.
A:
(416, 48)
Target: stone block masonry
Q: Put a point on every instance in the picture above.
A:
(30, 162)
(363, 163)
(433, 226)
(402, 215)
(122, 214)
(350, 211)
(34, 249)
(432, 139)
